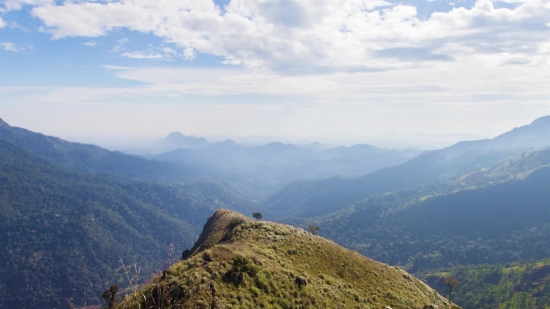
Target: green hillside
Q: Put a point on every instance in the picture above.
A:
(64, 232)
(240, 263)
(512, 286)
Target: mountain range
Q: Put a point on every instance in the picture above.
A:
(276, 164)
(71, 213)
(93, 159)
(320, 197)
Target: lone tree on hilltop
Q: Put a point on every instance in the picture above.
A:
(313, 229)
(257, 215)
(450, 282)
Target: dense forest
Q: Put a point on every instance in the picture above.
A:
(501, 223)
(516, 285)
(64, 232)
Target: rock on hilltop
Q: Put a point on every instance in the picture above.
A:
(241, 263)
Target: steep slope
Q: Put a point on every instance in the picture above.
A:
(240, 263)
(498, 217)
(64, 232)
(321, 197)
(90, 158)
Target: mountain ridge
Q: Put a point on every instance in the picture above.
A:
(321, 197)
(92, 159)
(241, 263)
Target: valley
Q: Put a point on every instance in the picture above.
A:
(78, 218)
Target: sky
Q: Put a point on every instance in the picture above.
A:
(327, 70)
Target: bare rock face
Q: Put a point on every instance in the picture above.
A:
(241, 263)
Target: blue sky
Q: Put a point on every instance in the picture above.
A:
(331, 70)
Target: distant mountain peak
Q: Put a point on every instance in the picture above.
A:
(176, 140)
(175, 134)
(4, 124)
(227, 142)
(179, 135)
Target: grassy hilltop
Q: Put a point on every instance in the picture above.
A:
(241, 263)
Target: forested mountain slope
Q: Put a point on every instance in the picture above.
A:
(90, 158)
(494, 222)
(321, 197)
(240, 263)
(64, 232)
(517, 285)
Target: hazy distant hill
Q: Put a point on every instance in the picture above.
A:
(240, 263)
(176, 140)
(535, 135)
(63, 232)
(90, 158)
(321, 197)
(279, 163)
(499, 215)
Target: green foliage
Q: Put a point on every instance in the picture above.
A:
(257, 215)
(241, 266)
(450, 282)
(497, 286)
(110, 295)
(313, 229)
(64, 232)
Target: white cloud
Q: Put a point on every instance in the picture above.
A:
(119, 45)
(2, 23)
(311, 36)
(142, 55)
(354, 65)
(115, 67)
(10, 5)
(189, 53)
(168, 50)
(91, 44)
(8, 46)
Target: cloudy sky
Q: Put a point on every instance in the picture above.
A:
(292, 69)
